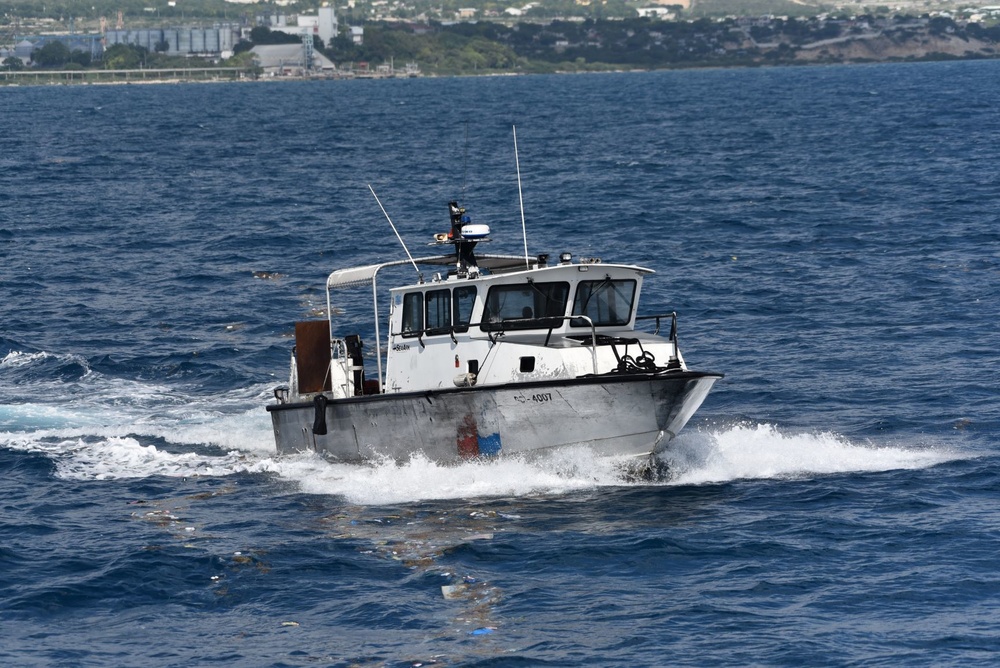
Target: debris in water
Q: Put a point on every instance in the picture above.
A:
(480, 536)
(453, 592)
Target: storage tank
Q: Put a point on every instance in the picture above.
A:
(170, 37)
(197, 40)
(148, 39)
(227, 38)
(212, 40)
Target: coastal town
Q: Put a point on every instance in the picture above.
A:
(216, 39)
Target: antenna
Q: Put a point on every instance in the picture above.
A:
(465, 160)
(524, 231)
(419, 275)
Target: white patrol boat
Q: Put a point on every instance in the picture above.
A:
(492, 355)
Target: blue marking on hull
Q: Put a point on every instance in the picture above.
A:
(489, 446)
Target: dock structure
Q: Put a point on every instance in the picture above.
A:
(34, 77)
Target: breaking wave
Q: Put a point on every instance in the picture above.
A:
(102, 428)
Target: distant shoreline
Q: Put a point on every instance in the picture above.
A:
(240, 75)
(118, 77)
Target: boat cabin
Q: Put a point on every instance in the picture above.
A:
(533, 324)
(486, 320)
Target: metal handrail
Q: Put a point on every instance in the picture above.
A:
(499, 326)
(593, 330)
(673, 323)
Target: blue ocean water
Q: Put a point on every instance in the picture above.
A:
(828, 235)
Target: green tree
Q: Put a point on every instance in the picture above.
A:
(940, 25)
(53, 54)
(81, 58)
(247, 61)
(124, 57)
(264, 35)
(13, 64)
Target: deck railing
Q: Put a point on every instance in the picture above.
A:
(673, 323)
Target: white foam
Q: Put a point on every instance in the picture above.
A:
(105, 428)
(99, 427)
(122, 457)
(419, 479)
(104, 452)
(762, 451)
(20, 361)
(16, 358)
(740, 452)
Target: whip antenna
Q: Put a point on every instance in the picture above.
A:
(419, 275)
(524, 231)
(465, 160)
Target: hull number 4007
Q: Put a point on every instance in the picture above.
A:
(537, 398)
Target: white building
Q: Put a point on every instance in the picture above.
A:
(322, 25)
(290, 60)
(656, 12)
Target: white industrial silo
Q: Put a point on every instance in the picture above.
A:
(327, 24)
(197, 40)
(172, 38)
(227, 38)
(212, 40)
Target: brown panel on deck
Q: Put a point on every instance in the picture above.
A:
(312, 355)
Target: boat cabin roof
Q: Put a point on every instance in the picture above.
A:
(494, 264)
(355, 276)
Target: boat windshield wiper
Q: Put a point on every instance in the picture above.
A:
(603, 285)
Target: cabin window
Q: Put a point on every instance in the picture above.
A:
(413, 314)
(607, 302)
(535, 305)
(438, 311)
(465, 301)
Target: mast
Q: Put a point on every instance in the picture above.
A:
(464, 246)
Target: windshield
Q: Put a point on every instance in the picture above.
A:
(535, 305)
(607, 302)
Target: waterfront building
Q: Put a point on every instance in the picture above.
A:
(323, 24)
(215, 42)
(291, 60)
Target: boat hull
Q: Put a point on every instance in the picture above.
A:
(611, 414)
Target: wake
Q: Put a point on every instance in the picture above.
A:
(239, 444)
(99, 428)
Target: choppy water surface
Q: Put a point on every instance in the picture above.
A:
(829, 237)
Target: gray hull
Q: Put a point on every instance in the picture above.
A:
(613, 415)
